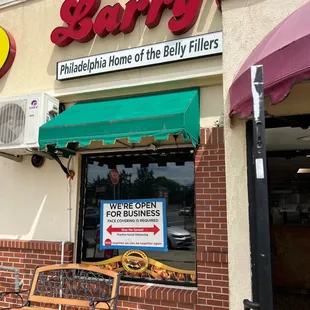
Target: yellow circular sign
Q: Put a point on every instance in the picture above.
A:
(7, 51)
(135, 261)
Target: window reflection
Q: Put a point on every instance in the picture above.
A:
(170, 180)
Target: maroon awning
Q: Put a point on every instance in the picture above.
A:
(285, 55)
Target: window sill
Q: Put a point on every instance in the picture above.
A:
(159, 292)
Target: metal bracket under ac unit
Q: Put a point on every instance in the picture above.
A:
(19, 158)
(16, 158)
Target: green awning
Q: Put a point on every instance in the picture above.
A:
(133, 118)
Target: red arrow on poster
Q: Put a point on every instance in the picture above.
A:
(153, 229)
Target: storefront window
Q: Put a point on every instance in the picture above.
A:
(169, 176)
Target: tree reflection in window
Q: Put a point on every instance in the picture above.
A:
(154, 179)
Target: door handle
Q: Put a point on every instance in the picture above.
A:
(250, 305)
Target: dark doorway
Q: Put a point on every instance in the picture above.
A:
(288, 169)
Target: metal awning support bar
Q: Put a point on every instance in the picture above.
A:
(265, 295)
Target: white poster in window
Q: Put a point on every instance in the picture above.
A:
(133, 224)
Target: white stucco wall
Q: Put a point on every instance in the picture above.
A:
(245, 24)
(34, 201)
(22, 187)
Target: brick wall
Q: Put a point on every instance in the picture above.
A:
(212, 246)
(26, 256)
(212, 265)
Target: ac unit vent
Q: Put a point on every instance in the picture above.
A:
(20, 120)
(12, 122)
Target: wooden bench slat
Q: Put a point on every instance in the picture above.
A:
(31, 308)
(73, 284)
(68, 302)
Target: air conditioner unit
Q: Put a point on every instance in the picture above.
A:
(20, 120)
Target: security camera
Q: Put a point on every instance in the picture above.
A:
(37, 161)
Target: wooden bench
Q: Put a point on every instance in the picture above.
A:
(71, 285)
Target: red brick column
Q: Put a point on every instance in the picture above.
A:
(26, 256)
(211, 217)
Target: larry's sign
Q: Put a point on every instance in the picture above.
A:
(160, 53)
(133, 224)
(117, 19)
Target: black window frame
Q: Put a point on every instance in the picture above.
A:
(130, 154)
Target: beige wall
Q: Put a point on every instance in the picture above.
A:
(245, 23)
(297, 102)
(33, 202)
(37, 56)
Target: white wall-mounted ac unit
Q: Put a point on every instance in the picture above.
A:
(20, 120)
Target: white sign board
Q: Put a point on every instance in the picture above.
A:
(133, 224)
(160, 53)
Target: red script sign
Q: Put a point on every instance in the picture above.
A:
(115, 18)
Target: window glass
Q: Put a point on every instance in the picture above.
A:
(145, 177)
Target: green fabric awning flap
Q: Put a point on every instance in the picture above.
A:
(158, 116)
